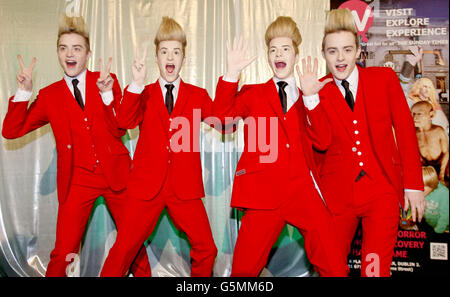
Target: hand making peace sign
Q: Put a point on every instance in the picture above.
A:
(139, 68)
(105, 81)
(24, 77)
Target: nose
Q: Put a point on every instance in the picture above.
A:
(340, 56)
(278, 53)
(170, 56)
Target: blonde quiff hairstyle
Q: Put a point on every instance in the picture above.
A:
(74, 25)
(340, 20)
(170, 30)
(430, 177)
(284, 27)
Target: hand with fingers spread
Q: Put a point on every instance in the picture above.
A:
(139, 68)
(309, 82)
(25, 75)
(417, 202)
(416, 55)
(237, 57)
(105, 81)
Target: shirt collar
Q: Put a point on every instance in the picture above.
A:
(81, 78)
(175, 83)
(352, 80)
(290, 81)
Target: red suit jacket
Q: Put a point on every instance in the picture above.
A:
(50, 107)
(259, 185)
(391, 132)
(157, 130)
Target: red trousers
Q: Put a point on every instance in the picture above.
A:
(303, 209)
(376, 204)
(74, 213)
(141, 217)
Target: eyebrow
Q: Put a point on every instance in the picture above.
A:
(177, 48)
(285, 45)
(76, 45)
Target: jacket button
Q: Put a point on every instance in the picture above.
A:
(69, 146)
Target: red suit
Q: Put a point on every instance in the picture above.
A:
(379, 138)
(164, 178)
(281, 191)
(92, 160)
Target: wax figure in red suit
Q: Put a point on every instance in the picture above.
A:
(167, 170)
(372, 164)
(92, 160)
(278, 185)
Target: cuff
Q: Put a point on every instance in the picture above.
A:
(134, 88)
(107, 97)
(410, 190)
(22, 96)
(230, 80)
(311, 101)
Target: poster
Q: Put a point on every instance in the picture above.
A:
(411, 37)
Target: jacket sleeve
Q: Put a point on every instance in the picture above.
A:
(405, 134)
(21, 119)
(230, 105)
(318, 127)
(130, 112)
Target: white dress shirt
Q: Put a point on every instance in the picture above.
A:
(134, 88)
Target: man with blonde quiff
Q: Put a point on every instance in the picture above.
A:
(163, 174)
(92, 160)
(285, 189)
(372, 163)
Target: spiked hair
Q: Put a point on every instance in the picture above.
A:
(170, 30)
(74, 25)
(284, 27)
(340, 20)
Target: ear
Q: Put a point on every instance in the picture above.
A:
(297, 58)
(323, 55)
(89, 54)
(432, 113)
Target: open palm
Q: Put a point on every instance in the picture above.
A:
(309, 82)
(237, 57)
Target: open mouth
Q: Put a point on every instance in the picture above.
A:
(341, 67)
(170, 68)
(280, 65)
(71, 64)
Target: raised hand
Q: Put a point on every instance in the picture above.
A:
(139, 68)
(416, 55)
(309, 82)
(24, 77)
(237, 57)
(105, 81)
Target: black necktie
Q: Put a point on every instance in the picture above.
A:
(169, 98)
(282, 94)
(348, 94)
(77, 93)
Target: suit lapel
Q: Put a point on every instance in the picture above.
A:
(270, 91)
(156, 101)
(370, 104)
(274, 98)
(90, 96)
(181, 100)
(339, 105)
